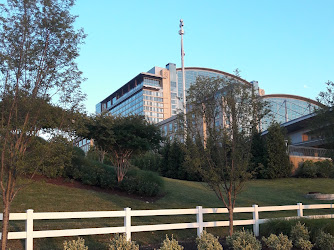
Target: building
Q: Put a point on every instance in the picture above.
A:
(285, 108)
(158, 95)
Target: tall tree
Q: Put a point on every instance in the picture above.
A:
(223, 113)
(39, 82)
(122, 137)
(278, 162)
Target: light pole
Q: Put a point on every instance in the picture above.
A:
(181, 32)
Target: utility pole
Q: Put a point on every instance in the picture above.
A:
(181, 32)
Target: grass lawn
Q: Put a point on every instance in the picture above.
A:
(44, 197)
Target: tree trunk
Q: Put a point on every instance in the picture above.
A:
(230, 213)
(5, 223)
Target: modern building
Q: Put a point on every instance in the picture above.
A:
(158, 95)
(284, 108)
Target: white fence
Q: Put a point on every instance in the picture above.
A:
(29, 234)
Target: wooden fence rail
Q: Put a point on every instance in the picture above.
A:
(29, 217)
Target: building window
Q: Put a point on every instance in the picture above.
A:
(304, 137)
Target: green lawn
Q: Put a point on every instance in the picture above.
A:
(44, 197)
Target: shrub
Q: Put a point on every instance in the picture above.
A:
(325, 169)
(280, 242)
(90, 172)
(145, 183)
(243, 240)
(301, 236)
(78, 244)
(208, 242)
(303, 244)
(307, 170)
(119, 242)
(324, 241)
(172, 244)
(276, 226)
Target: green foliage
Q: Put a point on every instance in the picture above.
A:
(243, 240)
(325, 169)
(299, 231)
(280, 242)
(307, 170)
(142, 182)
(310, 169)
(324, 241)
(258, 160)
(173, 162)
(149, 161)
(78, 244)
(321, 125)
(300, 236)
(119, 242)
(303, 244)
(220, 153)
(122, 137)
(170, 244)
(90, 172)
(278, 165)
(277, 226)
(57, 157)
(208, 242)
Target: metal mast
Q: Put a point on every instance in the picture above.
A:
(181, 32)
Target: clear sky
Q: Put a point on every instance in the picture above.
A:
(286, 45)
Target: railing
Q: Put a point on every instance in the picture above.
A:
(127, 214)
(308, 151)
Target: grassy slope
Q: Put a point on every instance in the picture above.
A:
(43, 197)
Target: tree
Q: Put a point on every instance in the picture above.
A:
(278, 162)
(322, 126)
(222, 114)
(39, 83)
(258, 161)
(122, 137)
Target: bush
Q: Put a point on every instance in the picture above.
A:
(119, 242)
(303, 244)
(243, 240)
(324, 241)
(307, 170)
(276, 226)
(78, 244)
(145, 183)
(172, 244)
(301, 236)
(325, 169)
(91, 172)
(280, 242)
(310, 169)
(208, 242)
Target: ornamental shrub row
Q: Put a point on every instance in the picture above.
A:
(94, 173)
(320, 169)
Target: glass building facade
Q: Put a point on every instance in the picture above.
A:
(284, 108)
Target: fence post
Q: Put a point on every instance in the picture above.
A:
(300, 210)
(256, 225)
(199, 217)
(127, 223)
(29, 230)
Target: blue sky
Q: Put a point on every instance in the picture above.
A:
(288, 46)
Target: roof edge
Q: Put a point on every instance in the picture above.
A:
(216, 71)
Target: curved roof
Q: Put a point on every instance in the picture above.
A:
(215, 71)
(293, 97)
